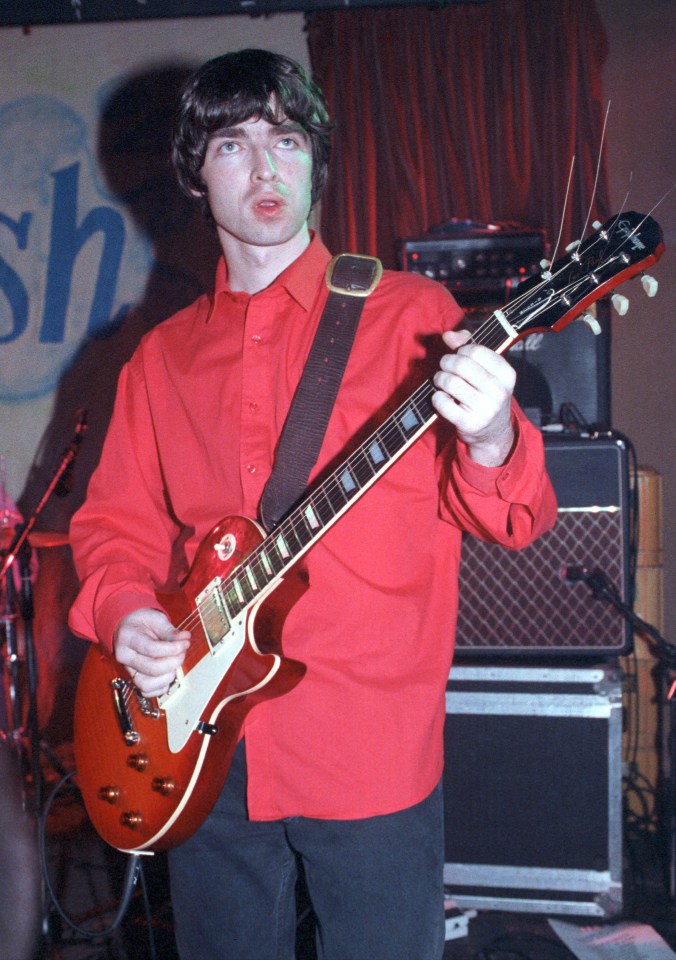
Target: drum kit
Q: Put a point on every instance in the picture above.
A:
(19, 727)
(18, 703)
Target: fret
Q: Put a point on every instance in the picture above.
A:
(322, 507)
(296, 536)
(335, 494)
(265, 562)
(347, 480)
(243, 587)
(423, 405)
(251, 577)
(376, 454)
(408, 420)
(281, 546)
(233, 598)
(311, 518)
(362, 468)
(272, 557)
(390, 437)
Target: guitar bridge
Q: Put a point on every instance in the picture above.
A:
(123, 690)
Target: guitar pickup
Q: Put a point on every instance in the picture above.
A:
(212, 611)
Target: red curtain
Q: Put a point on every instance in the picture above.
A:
(473, 111)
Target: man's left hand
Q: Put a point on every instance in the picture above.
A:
(474, 393)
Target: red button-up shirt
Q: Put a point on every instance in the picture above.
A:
(198, 414)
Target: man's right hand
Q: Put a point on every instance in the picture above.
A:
(151, 648)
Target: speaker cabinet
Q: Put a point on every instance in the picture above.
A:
(533, 789)
(569, 368)
(519, 603)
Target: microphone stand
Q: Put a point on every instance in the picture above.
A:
(603, 588)
(20, 549)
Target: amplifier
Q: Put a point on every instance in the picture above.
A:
(477, 262)
(517, 603)
(568, 368)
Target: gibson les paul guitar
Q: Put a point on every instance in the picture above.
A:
(151, 770)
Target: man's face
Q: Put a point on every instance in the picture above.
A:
(258, 180)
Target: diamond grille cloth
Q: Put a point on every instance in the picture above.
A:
(520, 601)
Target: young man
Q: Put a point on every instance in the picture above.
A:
(342, 773)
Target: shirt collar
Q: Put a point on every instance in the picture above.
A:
(299, 279)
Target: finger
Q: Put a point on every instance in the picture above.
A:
(154, 686)
(454, 339)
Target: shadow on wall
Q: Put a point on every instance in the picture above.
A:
(134, 159)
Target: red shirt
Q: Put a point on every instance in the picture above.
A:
(199, 409)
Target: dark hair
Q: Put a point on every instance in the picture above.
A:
(240, 86)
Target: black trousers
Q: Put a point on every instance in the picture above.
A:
(376, 884)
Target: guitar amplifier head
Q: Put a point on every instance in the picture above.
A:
(520, 604)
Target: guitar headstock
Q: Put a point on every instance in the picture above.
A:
(623, 246)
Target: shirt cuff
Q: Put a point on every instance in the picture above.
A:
(505, 480)
(115, 607)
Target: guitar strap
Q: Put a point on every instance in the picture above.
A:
(350, 279)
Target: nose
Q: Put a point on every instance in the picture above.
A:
(264, 166)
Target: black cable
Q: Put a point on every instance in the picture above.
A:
(132, 872)
(146, 903)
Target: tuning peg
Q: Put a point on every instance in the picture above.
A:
(573, 246)
(649, 284)
(546, 272)
(591, 322)
(620, 303)
(597, 224)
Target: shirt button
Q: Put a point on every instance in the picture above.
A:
(251, 467)
(256, 338)
(253, 406)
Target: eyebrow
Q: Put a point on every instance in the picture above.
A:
(286, 126)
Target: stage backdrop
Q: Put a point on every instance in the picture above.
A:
(96, 246)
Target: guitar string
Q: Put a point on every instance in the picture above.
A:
(291, 526)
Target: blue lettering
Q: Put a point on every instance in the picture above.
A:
(67, 240)
(10, 282)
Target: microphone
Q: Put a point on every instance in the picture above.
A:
(65, 483)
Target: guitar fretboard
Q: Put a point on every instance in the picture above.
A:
(618, 250)
(322, 507)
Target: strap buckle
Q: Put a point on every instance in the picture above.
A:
(353, 275)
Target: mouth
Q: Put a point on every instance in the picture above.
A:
(268, 203)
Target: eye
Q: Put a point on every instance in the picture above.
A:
(228, 146)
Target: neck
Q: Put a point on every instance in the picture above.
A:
(253, 268)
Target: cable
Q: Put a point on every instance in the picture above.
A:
(132, 872)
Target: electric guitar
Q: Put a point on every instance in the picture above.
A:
(151, 770)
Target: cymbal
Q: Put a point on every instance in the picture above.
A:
(47, 538)
(36, 538)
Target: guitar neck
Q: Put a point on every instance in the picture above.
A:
(323, 506)
(618, 250)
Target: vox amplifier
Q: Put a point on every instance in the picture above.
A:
(518, 603)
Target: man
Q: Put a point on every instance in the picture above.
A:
(342, 773)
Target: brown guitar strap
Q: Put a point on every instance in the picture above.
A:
(350, 279)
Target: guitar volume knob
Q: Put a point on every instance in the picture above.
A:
(164, 785)
(131, 819)
(138, 761)
(110, 794)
